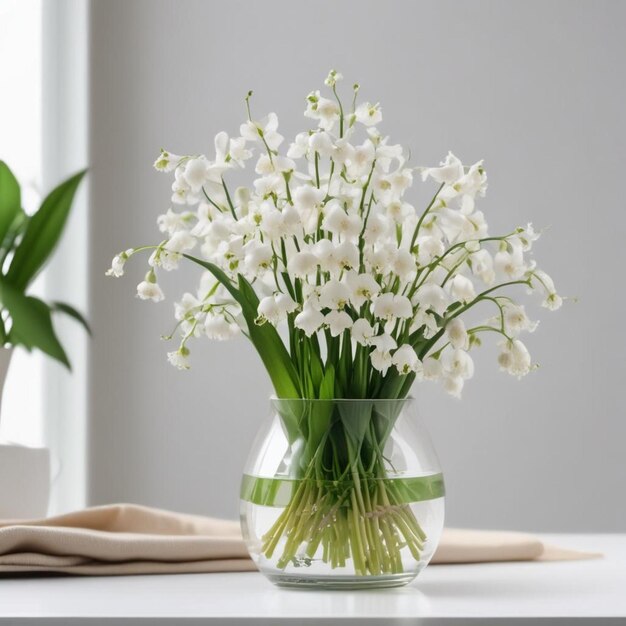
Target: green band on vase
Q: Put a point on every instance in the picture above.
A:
(279, 491)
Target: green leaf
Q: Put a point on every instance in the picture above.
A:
(31, 323)
(291, 413)
(355, 417)
(265, 338)
(69, 310)
(270, 347)
(43, 233)
(316, 369)
(320, 414)
(384, 417)
(10, 199)
(327, 387)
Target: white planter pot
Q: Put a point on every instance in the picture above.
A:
(24, 482)
(24, 472)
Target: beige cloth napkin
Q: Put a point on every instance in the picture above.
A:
(129, 539)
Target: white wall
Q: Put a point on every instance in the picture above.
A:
(536, 88)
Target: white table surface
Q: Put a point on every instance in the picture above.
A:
(593, 591)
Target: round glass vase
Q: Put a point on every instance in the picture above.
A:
(342, 494)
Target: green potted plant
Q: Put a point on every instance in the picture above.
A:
(26, 244)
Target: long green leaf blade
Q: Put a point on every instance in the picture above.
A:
(265, 338)
(43, 233)
(10, 199)
(31, 323)
(70, 311)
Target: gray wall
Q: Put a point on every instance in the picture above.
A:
(535, 88)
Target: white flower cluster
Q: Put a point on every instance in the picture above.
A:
(333, 249)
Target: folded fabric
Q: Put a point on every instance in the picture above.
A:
(129, 539)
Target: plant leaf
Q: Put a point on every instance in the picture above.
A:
(355, 418)
(10, 199)
(69, 310)
(31, 323)
(43, 233)
(265, 338)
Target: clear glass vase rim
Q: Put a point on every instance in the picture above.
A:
(274, 399)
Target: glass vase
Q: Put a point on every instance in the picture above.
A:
(342, 494)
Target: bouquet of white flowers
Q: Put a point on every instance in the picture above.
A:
(372, 292)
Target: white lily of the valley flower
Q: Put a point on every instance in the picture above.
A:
(302, 264)
(334, 295)
(180, 241)
(389, 306)
(510, 263)
(425, 320)
(307, 199)
(462, 288)
(527, 236)
(405, 359)
(404, 265)
(229, 151)
(322, 143)
(333, 78)
(459, 363)
(170, 222)
(552, 301)
(428, 248)
(361, 162)
(431, 296)
(268, 185)
(378, 228)
(386, 154)
(380, 357)
(348, 227)
(398, 211)
(274, 309)
(265, 130)
(456, 333)
(384, 342)
(186, 306)
(363, 287)
(449, 171)
(343, 151)
(514, 358)
(196, 173)
(219, 328)
(322, 109)
(324, 251)
(258, 257)
(337, 322)
(166, 161)
(516, 320)
(181, 191)
(362, 332)
(482, 266)
(238, 151)
(117, 264)
(179, 358)
(381, 361)
(165, 259)
(368, 114)
(309, 320)
(473, 183)
(149, 290)
(266, 165)
(299, 147)
(346, 256)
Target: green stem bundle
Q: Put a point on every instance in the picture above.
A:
(345, 510)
